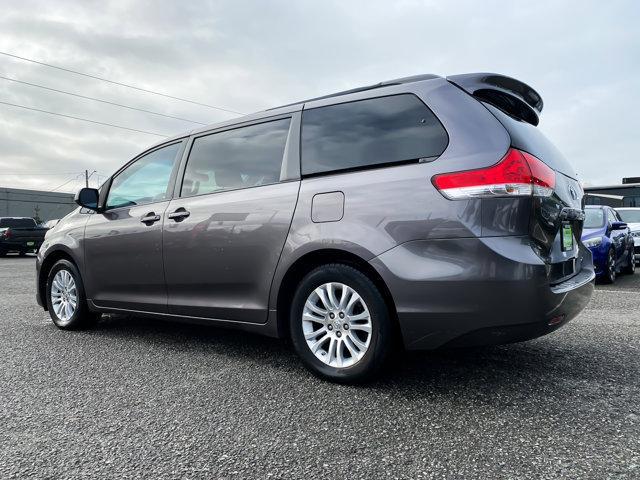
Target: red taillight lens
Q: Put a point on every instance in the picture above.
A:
(518, 174)
(6, 233)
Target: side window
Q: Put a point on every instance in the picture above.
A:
(369, 132)
(239, 158)
(144, 181)
(611, 216)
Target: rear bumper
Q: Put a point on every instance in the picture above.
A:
(478, 291)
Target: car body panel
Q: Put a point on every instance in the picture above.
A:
(446, 289)
(387, 206)
(219, 261)
(67, 238)
(126, 269)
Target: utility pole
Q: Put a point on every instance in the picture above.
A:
(87, 176)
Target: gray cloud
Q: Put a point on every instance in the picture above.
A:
(581, 56)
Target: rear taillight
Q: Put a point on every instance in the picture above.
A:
(518, 174)
(6, 233)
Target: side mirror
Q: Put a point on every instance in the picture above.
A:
(618, 225)
(88, 198)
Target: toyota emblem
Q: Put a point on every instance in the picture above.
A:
(573, 193)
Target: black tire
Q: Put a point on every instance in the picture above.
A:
(630, 268)
(380, 343)
(22, 253)
(610, 268)
(3, 253)
(82, 317)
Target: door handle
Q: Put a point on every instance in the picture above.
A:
(179, 214)
(150, 218)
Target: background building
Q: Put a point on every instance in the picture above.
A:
(40, 205)
(625, 195)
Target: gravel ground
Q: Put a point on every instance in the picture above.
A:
(136, 398)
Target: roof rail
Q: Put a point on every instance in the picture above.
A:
(387, 83)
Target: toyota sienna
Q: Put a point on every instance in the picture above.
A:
(427, 210)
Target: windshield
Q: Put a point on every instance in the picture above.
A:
(17, 223)
(594, 218)
(630, 216)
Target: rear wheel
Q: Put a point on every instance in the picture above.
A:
(22, 253)
(631, 263)
(340, 324)
(610, 268)
(66, 299)
(3, 252)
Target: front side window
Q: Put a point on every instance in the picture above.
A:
(369, 132)
(144, 181)
(240, 158)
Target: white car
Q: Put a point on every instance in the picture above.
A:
(631, 215)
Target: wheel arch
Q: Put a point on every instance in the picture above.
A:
(316, 258)
(47, 264)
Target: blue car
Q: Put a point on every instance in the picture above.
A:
(610, 242)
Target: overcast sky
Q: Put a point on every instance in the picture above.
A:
(582, 57)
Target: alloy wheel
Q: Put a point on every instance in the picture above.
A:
(611, 261)
(336, 324)
(64, 295)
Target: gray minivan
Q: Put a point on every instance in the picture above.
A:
(427, 210)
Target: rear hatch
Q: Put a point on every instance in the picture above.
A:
(557, 218)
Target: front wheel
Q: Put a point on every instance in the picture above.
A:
(66, 299)
(340, 324)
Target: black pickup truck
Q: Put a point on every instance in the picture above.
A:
(20, 234)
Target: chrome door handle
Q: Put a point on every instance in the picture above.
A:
(150, 218)
(178, 214)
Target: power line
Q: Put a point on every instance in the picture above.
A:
(99, 100)
(65, 183)
(36, 174)
(83, 119)
(118, 83)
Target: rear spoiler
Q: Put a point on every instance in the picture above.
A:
(508, 94)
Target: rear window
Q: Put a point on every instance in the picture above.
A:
(17, 223)
(369, 132)
(525, 136)
(594, 218)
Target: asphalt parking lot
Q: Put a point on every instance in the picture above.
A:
(136, 398)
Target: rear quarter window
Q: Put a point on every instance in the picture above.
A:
(368, 133)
